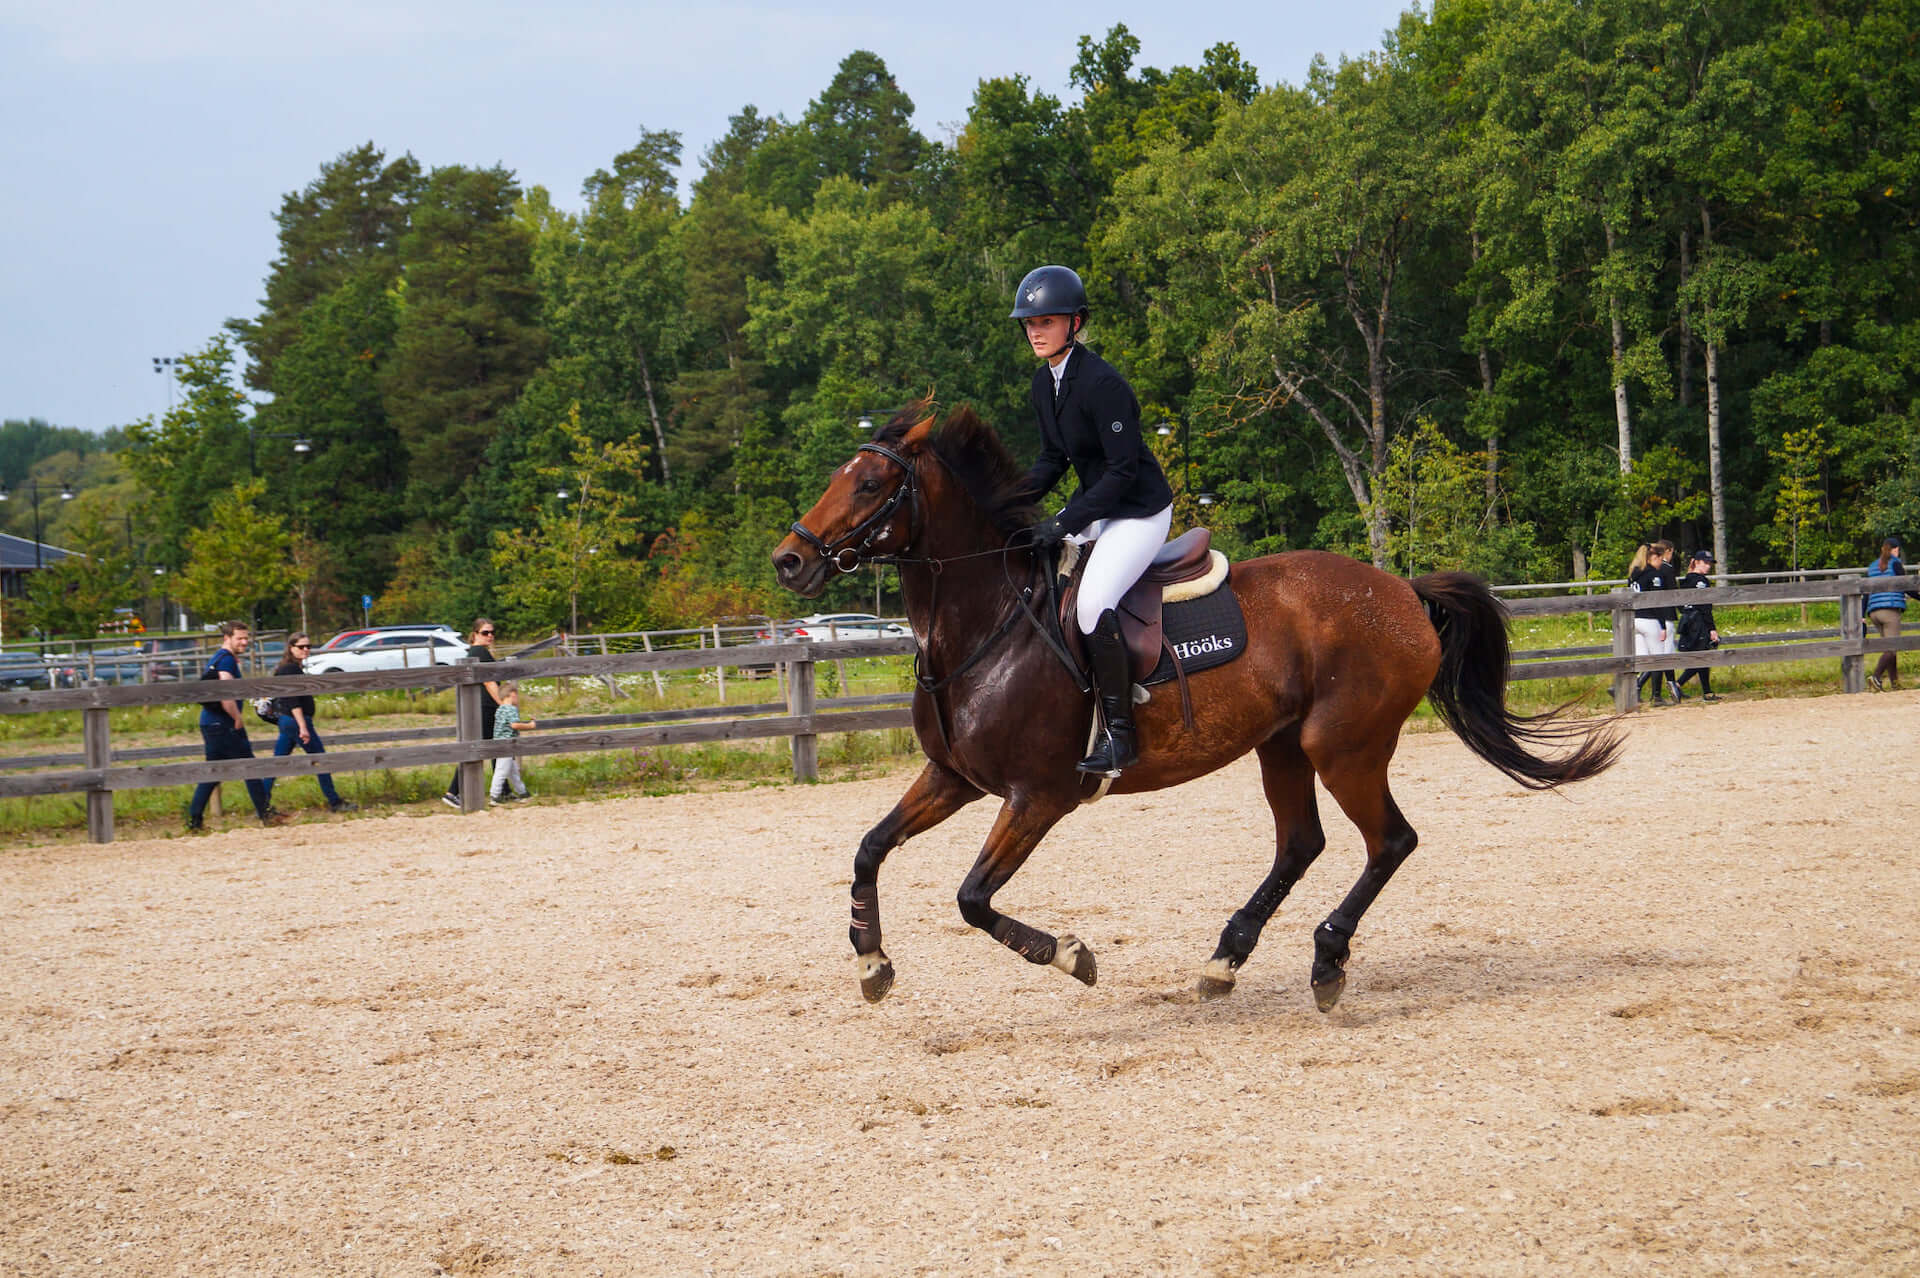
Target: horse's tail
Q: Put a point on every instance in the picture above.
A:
(1470, 692)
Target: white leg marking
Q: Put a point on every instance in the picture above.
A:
(1219, 970)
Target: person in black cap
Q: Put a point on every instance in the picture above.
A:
(1697, 632)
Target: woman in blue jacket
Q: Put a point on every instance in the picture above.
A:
(1884, 608)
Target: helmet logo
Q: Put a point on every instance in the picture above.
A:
(1034, 294)
(1116, 428)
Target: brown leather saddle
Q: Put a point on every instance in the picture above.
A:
(1188, 557)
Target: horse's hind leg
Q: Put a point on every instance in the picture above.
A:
(1288, 780)
(936, 794)
(1361, 790)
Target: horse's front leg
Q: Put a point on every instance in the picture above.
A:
(936, 794)
(1023, 822)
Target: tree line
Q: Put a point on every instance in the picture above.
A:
(1528, 285)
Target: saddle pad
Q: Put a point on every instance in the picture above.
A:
(1207, 632)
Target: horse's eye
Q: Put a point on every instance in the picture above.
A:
(869, 485)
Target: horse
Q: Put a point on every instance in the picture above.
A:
(1338, 655)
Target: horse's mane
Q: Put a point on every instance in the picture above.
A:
(974, 453)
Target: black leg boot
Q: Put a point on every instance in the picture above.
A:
(1113, 679)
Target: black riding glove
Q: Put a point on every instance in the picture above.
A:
(1048, 533)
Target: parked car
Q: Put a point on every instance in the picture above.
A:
(23, 670)
(170, 659)
(347, 638)
(843, 625)
(390, 649)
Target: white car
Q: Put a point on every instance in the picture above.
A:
(390, 650)
(843, 625)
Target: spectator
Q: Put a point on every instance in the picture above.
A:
(1884, 608)
(296, 723)
(507, 723)
(1696, 631)
(479, 648)
(1653, 627)
(224, 732)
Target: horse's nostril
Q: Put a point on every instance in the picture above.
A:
(786, 565)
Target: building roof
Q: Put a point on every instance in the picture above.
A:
(17, 552)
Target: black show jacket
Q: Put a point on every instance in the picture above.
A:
(1096, 427)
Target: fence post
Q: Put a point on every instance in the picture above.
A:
(806, 745)
(1625, 697)
(719, 668)
(466, 721)
(659, 684)
(1853, 668)
(93, 736)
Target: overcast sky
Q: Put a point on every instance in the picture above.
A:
(145, 147)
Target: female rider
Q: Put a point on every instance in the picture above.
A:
(1089, 418)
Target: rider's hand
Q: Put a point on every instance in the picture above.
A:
(1048, 533)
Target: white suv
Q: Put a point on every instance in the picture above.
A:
(390, 650)
(844, 625)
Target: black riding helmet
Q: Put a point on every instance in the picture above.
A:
(1050, 290)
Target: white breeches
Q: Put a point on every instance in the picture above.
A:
(1122, 549)
(1648, 640)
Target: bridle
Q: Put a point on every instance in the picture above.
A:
(867, 531)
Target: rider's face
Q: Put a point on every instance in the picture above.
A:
(1049, 335)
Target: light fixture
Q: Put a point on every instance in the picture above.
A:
(1164, 430)
(1205, 499)
(4, 494)
(563, 494)
(66, 492)
(302, 445)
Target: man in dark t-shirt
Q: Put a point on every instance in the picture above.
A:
(479, 648)
(224, 732)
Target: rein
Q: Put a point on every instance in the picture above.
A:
(848, 552)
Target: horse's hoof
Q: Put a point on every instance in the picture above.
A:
(1327, 993)
(1216, 979)
(1075, 959)
(876, 975)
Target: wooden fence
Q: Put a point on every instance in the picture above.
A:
(805, 718)
(1851, 645)
(804, 721)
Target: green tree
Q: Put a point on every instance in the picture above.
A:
(77, 594)
(240, 559)
(582, 548)
(467, 338)
(198, 450)
(1799, 529)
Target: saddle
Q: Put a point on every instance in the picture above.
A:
(1185, 568)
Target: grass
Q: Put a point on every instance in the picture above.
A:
(675, 769)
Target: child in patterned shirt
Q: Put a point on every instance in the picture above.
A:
(507, 725)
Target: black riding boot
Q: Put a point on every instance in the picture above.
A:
(1113, 679)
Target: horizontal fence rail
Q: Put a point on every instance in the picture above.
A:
(801, 717)
(805, 720)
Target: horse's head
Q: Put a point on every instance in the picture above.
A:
(868, 510)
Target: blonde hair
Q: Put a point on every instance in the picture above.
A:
(507, 686)
(1639, 559)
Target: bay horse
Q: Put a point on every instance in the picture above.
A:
(1338, 656)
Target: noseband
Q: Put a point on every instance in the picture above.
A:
(843, 553)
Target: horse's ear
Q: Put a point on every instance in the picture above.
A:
(920, 434)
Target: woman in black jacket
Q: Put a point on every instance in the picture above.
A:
(1653, 627)
(296, 723)
(1089, 419)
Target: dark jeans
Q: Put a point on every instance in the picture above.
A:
(224, 741)
(486, 734)
(289, 738)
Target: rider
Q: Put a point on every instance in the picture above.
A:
(1089, 417)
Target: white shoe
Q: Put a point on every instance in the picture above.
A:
(451, 799)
